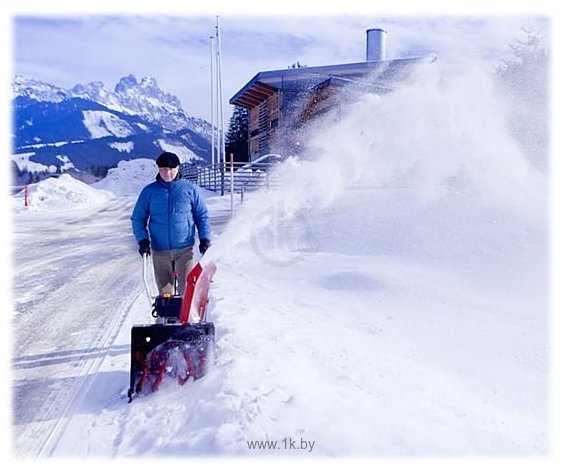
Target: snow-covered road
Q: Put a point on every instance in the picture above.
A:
(75, 277)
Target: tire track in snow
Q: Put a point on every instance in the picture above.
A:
(72, 289)
(86, 377)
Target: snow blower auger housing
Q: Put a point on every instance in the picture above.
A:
(180, 343)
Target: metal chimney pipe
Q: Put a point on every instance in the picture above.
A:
(376, 45)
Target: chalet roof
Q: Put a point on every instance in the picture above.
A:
(378, 74)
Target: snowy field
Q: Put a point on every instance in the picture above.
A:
(390, 300)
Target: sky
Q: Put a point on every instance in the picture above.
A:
(66, 46)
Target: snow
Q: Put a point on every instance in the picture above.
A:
(184, 154)
(129, 177)
(57, 194)
(23, 162)
(388, 299)
(55, 144)
(66, 163)
(102, 123)
(123, 147)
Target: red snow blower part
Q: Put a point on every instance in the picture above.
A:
(179, 344)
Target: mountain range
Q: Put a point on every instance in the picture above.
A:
(90, 127)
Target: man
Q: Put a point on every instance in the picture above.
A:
(164, 221)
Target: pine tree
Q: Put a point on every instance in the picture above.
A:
(237, 135)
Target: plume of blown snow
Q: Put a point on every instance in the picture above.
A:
(441, 140)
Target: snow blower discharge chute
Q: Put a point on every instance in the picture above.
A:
(180, 343)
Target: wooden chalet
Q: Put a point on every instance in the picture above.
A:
(281, 102)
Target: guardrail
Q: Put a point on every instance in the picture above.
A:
(233, 177)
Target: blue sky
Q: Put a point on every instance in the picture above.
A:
(66, 47)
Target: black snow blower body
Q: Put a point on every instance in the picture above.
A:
(180, 342)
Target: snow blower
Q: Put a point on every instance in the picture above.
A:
(180, 342)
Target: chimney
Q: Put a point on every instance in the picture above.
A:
(376, 45)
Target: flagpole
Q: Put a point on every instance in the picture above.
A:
(212, 103)
(220, 112)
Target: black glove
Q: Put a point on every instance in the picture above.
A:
(144, 247)
(204, 244)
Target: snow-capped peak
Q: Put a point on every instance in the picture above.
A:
(38, 90)
(144, 98)
(125, 83)
(149, 83)
(147, 96)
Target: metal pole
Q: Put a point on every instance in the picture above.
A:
(217, 105)
(220, 116)
(212, 102)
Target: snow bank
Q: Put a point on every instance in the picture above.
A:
(60, 194)
(129, 177)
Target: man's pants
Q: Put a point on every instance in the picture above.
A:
(166, 262)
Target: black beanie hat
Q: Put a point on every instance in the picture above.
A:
(167, 159)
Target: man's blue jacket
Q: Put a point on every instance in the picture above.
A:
(172, 210)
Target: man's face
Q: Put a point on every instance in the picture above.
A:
(167, 174)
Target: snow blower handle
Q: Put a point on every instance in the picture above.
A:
(144, 271)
